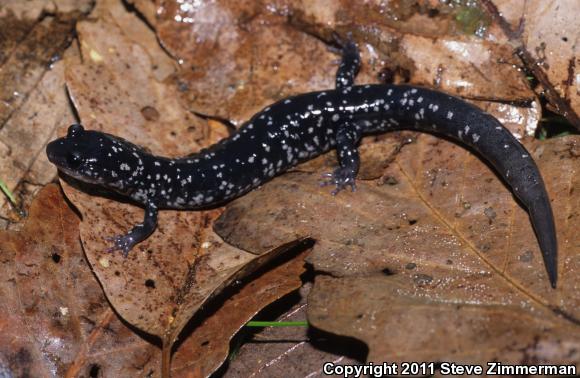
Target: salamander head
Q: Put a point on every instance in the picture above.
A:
(96, 158)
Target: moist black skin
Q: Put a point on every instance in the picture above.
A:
(296, 129)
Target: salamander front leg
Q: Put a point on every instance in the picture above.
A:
(140, 232)
(347, 137)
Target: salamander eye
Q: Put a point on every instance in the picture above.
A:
(74, 130)
(73, 159)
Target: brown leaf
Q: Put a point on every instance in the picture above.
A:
(116, 90)
(445, 226)
(50, 299)
(33, 38)
(261, 57)
(245, 56)
(54, 319)
(208, 346)
(167, 278)
(290, 351)
(264, 55)
(170, 275)
(399, 324)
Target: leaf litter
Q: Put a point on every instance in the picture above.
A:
(446, 232)
(274, 351)
(33, 38)
(55, 320)
(482, 70)
(167, 278)
(433, 193)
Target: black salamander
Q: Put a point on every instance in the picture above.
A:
(291, 131)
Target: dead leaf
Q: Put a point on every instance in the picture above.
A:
(167, 278)
(399, 324)
(54, 319)
(239, 34)
(260, 55)
(274, 351)
(116, 90)
(446, 227)
(209, 344)
(33, 38)
(247, 55)
(551, 26)
(51, 298)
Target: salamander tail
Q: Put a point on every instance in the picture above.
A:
(543, 222)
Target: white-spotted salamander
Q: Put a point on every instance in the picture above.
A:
(294, 130)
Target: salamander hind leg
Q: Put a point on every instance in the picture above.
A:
(349, 64)
(138, 233)
(347, 137)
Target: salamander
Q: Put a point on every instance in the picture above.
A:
(294, 130)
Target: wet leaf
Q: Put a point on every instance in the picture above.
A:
(116, 89)
(166, 279)
(435, 227)
(274, 351)
(444, 228)
(33, 38)
(209, 344)
(54, 319)
(394, 320)
(549, 31)
(260, 55)
(263, 55)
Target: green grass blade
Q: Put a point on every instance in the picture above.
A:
(7, 192)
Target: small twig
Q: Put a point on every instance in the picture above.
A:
(560, 104)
